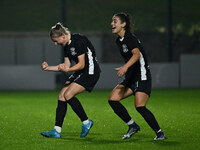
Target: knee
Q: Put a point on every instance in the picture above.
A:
(61, 97)
(114, 98)
(110, 98)
(139, 105)
(68, 95)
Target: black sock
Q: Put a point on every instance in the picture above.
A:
(60, 113)
(77, 108)
(149, 118)
(120, 110)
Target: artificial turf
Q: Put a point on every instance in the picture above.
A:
(24, 114)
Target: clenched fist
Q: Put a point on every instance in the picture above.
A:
(62, 68)
(44, 66)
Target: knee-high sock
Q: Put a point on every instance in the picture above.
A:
(120, 110)
(77, 108)
(149, 118)
(60, 113)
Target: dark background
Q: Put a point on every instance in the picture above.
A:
(150, 20)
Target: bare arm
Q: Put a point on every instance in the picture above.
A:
(46, 67)
(135, 57)
(79, 66)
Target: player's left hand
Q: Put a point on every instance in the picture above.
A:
(121, 71)
(62, 67)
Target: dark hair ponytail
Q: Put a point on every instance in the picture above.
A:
(126, 18)
(58, 30)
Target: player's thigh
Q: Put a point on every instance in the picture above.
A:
(141, 99)
(120, 92)
(72, 90)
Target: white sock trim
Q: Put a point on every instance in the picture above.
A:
(130, 122)
(86, 121)
(159, 131)
(58, 129)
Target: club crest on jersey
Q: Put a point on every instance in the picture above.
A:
(72, 49)
(125, 48)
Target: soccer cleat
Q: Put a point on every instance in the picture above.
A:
(134, 128)
(86, 128)
(52, 133)
(160, 136)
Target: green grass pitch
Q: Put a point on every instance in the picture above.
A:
(24, 114)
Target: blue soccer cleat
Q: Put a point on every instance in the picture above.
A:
(86, 128)
(52, 134)
(160, 136)
(134, 128)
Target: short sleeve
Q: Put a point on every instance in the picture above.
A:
(81, 47)
(132, 43)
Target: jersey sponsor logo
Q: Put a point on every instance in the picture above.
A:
(125, 48)
(72, 50)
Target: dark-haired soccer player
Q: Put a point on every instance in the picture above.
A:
(137, 77)
(79, 49)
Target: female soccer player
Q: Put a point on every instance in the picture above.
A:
(137, 77)
(86, 70)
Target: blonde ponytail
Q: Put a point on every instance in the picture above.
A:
(58, 30)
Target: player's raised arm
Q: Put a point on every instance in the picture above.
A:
(65, 65)
(46, 67)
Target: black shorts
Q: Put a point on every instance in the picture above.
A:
(138, 86)
(85, 80)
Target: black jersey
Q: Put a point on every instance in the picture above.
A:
(78, 45)
(139, 70)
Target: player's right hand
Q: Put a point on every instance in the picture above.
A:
(44, 65)
(121, 71)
